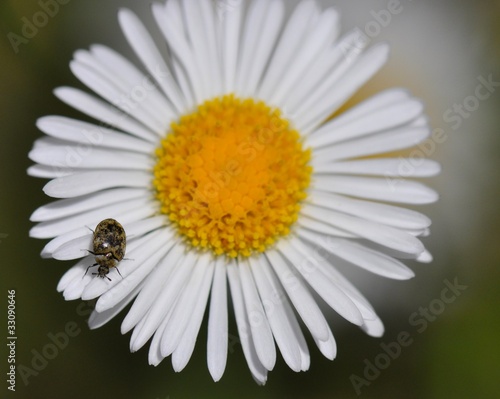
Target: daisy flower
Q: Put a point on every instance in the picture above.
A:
(233, 185)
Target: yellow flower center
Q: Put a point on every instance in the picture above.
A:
(231, 176)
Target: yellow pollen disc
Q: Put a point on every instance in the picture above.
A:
(231, 176)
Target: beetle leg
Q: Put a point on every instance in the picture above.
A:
(86, 271)
(97, 274)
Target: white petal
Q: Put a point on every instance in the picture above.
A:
(361, 256)
(153, 287)
(171, 14)
(183, 82)
(154, 356)
(359, 300)
(328, 347)
(208, 36)
(293, 35)
(388, 167)
(200, 51)
(305, 358)
(64, 225)
(255, 19)
(72, 206)
(137, 331)
(292, 322)
(217, 341)
(321, 227)
(328, 69)
(145, 48)
(388, 251)
(376, 232)
(141, 227)
(371, 106)
(136, 254)
(315, 44)
(418, 232)
(165, 300)
(385, 118)
(98, 319)
(55, 243)
(184, 307)
(425, 257)
(78, 247)
(74, 249)
(183, 352)
(173, 8)
(128, 217)
(267, 34)
(381, 213)
(58, 153)
(393, 140)
(91, 135)
(77, 285)
(300, 296)
(48, 172)
(107, 90)
(131, 94)
(272, 300)
(157, 245)
(141, 86)
(326, 73)
(374, 328)
(366, 310)
(357, 75)
(181, 47)
(82, 183)
(70, 275)
(258, 371)
(230, 16)
(104, 112)
(305, 263)
(389, 189)
(259, 324)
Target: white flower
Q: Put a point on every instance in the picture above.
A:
(221, 165)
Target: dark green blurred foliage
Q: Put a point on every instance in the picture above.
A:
(457, 355)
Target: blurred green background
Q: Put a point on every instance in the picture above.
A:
(440, 49)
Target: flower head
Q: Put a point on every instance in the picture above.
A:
(222, 166)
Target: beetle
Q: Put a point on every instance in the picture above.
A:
(109, 244)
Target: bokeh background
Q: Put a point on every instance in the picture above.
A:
(439, 51)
